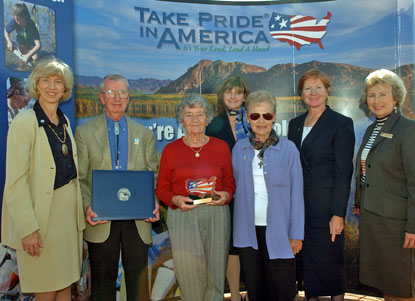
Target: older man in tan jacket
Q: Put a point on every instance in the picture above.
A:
(137, 151)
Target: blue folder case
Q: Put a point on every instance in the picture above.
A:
(122, 194)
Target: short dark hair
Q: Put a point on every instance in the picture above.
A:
(313, 73)
(21, 10)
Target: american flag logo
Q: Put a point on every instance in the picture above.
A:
(298, 30)
(201, 186)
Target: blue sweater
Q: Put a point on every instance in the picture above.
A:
(285, 211)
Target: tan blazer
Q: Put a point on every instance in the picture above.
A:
(30, 177)
(94, 154)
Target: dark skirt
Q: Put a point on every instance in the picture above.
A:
(323, 263)
(384, 263)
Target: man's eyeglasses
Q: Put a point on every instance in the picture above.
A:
(111, 93)
(266, 116)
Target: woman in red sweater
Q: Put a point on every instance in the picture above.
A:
(197, 166)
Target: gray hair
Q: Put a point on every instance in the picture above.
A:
(114, 77)
(383, 76)
(261, 96)
(192, 101)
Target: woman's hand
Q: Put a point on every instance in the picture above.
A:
(223, 198)
(90, 214)
(336, 226)
(296, 245)
(156, 213)
(409, 241)
(180, 201)
(32, 244)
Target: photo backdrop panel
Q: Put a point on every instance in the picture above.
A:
(50, 24)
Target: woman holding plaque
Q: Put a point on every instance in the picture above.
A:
(196, 169)
(386, 190)
(325, 140)
(231, 125)
(269, 206)
(42, 216)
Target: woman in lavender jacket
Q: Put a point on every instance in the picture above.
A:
(269, 204)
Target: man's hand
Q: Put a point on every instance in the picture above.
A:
(156, 213)
(90, 214)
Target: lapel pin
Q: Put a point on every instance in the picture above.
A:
(386, 135)
(136, 140)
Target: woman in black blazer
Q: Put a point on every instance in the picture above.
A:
(231, 125)
(385, 171)
(325, 140)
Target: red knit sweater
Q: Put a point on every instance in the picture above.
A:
(178, 163)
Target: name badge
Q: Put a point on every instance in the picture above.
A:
(386, 135)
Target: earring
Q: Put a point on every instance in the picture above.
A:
(396, 109)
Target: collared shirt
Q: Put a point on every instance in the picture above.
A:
(122, 143)
(65, 165)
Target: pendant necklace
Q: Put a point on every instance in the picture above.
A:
(197, 155)
(64, 146)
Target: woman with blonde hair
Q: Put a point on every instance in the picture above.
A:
(385, 171)
(42, 215)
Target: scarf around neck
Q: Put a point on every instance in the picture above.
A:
(242, 127)
(262, 146)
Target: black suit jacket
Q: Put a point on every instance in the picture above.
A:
(327, 160)
(220, 127)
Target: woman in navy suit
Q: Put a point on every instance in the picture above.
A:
(326, 141)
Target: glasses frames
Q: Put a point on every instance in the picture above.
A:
(121, 93)
(256, 116)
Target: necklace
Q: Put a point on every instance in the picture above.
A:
(64, 146)
(197, 155)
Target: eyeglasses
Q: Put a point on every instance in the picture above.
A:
(266, 116)
(111, 93)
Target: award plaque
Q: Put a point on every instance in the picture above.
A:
(122, 194)
(201, 191)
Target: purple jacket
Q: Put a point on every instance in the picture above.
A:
(285, 212)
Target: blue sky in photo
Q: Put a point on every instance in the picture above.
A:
(366, 33)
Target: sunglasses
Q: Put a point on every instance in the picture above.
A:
(266, 116)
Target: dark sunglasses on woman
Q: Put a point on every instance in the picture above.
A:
(266, 116)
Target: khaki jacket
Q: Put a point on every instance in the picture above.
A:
(94, 154)
(30, 177)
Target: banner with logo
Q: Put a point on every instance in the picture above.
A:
(32, 30)
(170, 48)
